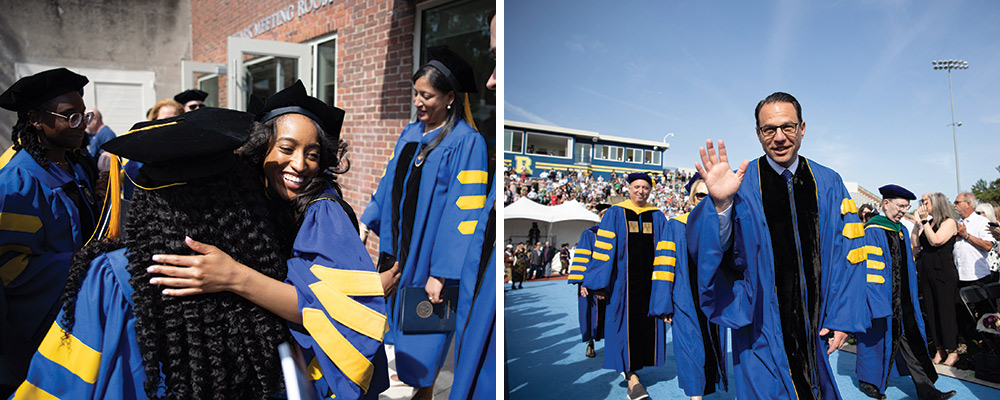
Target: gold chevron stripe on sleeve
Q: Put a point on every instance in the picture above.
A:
(663, 276)
(348, 312)
(467, 227)
(75, 356)
(581, 260)
(30, 391)
(854, 230)
(351, 283)
(603, 246)
(876, 250)
(847, 206)
(19, 222)
(601, 256)
(604, 233)
(348, 359)
(857, 255)
(575, 277)
(666, 245)
(582, 251)
(472, 176)
(471, 202)
(12, 268)
(578, 268)
(875, 279)
(665, 260)
(872, 264)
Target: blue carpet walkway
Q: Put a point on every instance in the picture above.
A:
(545, 357)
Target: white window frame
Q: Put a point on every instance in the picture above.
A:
(653, 154)
(636, 155)
(513, 131)
(236, 47)
(314, 45)
(569, 146)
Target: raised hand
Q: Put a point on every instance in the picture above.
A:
(721, 181)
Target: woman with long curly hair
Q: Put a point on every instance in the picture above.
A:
(426, 205)
(333, 297)
(117, 336)
(48, 210)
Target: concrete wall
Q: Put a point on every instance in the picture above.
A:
(146, 35)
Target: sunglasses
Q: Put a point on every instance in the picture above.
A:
(700, 196)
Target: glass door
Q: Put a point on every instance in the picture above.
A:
(206, 77)
(264, 67)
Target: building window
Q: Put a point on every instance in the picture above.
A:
(210, 85)
(463, 26)
(652, 157)
(513, 141)
(610, 153)
(269, 75)
(633, 155)
(326, 72)
(582, 153)
(547, 145)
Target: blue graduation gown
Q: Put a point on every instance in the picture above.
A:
(589, 308)
(699, 347)
(40, 228)
(449, 196)
(876, 362)
(738, 290)
(342, 304)
(476, 334)
(625, 253)
(102, 359)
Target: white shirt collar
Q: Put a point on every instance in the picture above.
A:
(779, 169)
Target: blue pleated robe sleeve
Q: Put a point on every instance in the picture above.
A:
(601, 269)
(342, 306)
(464, 199)
(39, 230)
(101, 359)
(475, 333)
(669, 256)
(581, 256)
(875, 344)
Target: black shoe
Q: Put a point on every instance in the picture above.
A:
(590, 349)
(947, 395)
(636, 393)
(870, 390)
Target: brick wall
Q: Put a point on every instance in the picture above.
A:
(374, 66)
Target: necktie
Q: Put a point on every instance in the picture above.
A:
(788, 176)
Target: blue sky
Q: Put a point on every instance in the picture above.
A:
(875, 109)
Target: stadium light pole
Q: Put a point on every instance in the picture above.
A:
(950, 65)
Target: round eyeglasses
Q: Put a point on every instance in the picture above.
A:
(75, 119)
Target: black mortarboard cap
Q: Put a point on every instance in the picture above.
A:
(694, 178)
(456, 69)
(33, 90)
(891, 191)
(640, 175)
(190, 94)
(602, 206)
(294, 99)
(192, 145)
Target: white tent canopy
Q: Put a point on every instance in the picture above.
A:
(564, 222)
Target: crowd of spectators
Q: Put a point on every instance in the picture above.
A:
(554, 187)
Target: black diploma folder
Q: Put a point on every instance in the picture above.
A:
(418, 315)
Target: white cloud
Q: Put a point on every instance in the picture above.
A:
(520, 114)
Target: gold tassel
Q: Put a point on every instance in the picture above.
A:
(115, 187)
(468, 113)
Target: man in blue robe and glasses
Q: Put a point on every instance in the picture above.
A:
(779, 250)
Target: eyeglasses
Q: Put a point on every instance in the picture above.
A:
(75, 119)
(700, 196)
(195, 106)
(788, 129)
(956, 202)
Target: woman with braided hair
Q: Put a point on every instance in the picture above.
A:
(117, 336)
(47, 210)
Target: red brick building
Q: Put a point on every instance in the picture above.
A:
(358, 55)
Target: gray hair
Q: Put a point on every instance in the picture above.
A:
(971, 198)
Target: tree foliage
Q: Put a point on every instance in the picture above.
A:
(987, 192)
